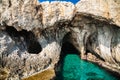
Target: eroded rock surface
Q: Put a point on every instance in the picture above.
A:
(31, 34)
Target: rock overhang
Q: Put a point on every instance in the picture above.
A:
(32, 14)
(91, 22)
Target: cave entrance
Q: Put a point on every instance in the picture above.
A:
(71, 67)
(68, 54)
(67, 46)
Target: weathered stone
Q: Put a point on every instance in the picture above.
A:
(31, 34)
(100, 9)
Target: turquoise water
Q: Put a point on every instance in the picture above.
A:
(73, 68)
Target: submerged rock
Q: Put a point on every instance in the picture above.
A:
(31, 34)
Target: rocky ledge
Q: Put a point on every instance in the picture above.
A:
(31, 34)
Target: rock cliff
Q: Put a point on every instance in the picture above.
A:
(31, 34)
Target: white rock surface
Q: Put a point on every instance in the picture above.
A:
(93, 26)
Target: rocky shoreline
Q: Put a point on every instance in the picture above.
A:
(32, 33)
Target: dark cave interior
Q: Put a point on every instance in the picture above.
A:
(33, 46)
(67, 48)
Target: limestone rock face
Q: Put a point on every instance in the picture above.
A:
(32, 33)
(108, 9)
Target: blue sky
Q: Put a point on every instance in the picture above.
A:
(73, 1)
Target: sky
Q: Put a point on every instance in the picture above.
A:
(73, 1)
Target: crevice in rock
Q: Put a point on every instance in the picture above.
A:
(24, 39)
(10, 3)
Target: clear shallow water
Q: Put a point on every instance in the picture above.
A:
(73, 68)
